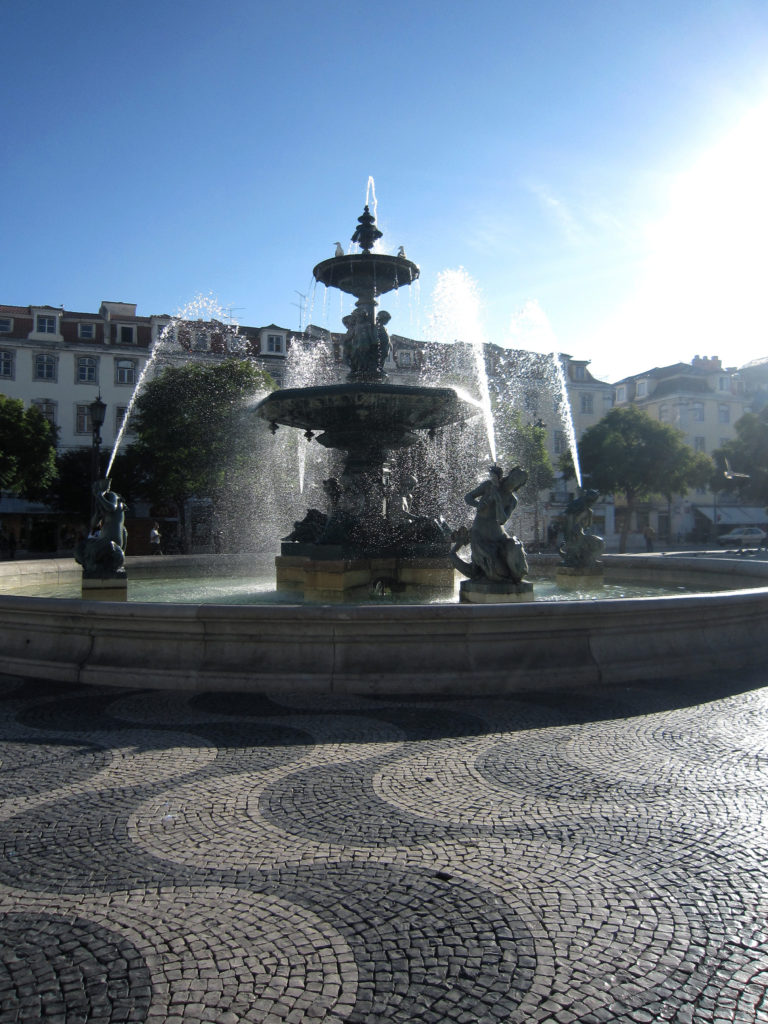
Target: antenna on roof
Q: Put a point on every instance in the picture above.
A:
(301, 306)
(229, 311)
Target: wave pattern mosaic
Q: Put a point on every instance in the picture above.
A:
(228, 858)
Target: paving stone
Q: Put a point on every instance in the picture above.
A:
(588, 857)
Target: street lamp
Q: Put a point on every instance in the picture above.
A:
(98, 411)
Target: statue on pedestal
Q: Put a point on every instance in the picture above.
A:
(581, 550)
(102, 553)
(497, 557)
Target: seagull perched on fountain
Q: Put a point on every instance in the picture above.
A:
(339, 250)
(401, 252)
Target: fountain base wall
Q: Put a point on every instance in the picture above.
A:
(337, 580)
(456, 650)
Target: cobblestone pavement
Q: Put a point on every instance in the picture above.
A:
(223, 858)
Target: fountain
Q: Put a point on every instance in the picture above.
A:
(370, 526)
(368, 532)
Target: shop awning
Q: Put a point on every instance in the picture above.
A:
(734, 515)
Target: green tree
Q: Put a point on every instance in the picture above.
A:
(629, 453)
(193, 435)
(746, 456)
(27, 449)
(525, 444)
(71, 490)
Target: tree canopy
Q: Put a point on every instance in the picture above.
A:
(193, 436)
(27, 449)
(629, 453)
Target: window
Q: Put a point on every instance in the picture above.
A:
(47, 408)
(125, 334)
(83, 419)
(275, 343)
(558, 440)
(46, 324)
(642, 388)
(45, 367)
(404, 358)
(699, 444)
(6, 324)
(621, 393)
(125, 371)
(578, 372)
(86, 331)
(587, 402)
(723, 414)
(6, 363)
(664, 413)
(87, 370)
(724, 384)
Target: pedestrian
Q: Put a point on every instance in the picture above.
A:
(649, 533)
(154, 540)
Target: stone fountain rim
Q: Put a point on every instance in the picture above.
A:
(438, 650)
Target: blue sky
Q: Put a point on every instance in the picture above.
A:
(598, 169)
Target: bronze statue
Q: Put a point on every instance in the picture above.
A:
(496, 556)
(102, 553)
(581, 550)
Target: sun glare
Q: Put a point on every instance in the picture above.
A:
(704, 283)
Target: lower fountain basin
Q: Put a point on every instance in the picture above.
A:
(449, 649)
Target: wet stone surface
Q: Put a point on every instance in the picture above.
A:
(218, 858)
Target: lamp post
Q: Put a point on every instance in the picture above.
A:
(98, 410)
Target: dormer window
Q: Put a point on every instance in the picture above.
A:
(86, 331)
(642, 388)
(45, 324)
(275, 344)
(621, 393)
(6, 324)
(126, 334)
(578, 372)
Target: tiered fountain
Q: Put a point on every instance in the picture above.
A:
(368, 533)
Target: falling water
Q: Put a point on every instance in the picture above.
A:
(203, 310)
(456, 317)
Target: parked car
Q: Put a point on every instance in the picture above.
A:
(743, 537)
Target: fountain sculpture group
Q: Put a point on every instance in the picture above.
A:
(364, 534)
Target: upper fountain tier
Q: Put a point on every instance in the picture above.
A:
(366, 274)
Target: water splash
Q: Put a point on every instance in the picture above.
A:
(456, 318)
(201, 326)
(566, 415)
(370, 196)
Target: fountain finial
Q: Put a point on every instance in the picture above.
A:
(366, 233)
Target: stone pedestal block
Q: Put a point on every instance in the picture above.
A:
(579, 579)
(486, 592)
(109, 588)
(336, 580)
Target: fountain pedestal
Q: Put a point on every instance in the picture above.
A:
(579, 578)
(335, 580)
(489, 592)
(105, 588)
